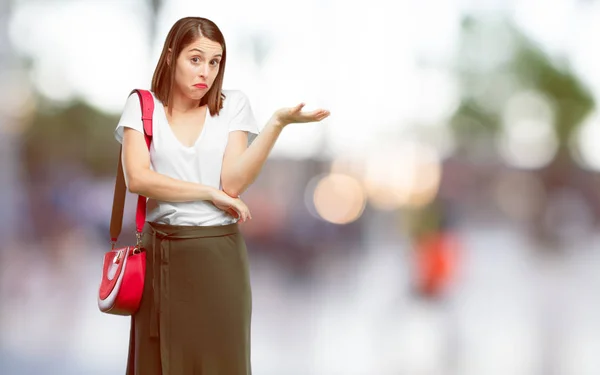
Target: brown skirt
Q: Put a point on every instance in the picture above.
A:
(195, 312)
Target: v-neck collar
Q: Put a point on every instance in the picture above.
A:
(198, 139)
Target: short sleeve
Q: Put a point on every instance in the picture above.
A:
(242, 116)
(130, 118)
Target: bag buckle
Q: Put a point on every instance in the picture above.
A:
(118, 257)
(138, 243)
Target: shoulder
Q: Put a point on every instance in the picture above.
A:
(234, 98)
(234, 93)
(131, 109)
(133, 101)
(131, 116)
(236, 101)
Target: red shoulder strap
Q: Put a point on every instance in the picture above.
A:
(116, 220)
(147, 104)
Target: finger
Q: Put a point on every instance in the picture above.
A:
(312, 118)
(323, 115)
(316, 113)
(241, 212)
(245, 214)
(234, 213)
(299, 107)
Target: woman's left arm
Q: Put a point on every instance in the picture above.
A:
(242, 164)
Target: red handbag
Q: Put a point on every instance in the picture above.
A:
(123, 269)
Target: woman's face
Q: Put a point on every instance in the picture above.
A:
(197, 67)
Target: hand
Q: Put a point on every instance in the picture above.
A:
(285, 116)
(233, 206)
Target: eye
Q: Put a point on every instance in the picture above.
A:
(214, 62)
(195, 60)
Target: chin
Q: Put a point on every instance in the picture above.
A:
(196, 95)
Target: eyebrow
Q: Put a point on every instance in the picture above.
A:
(202, 52)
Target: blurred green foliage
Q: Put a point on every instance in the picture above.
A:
(521, 60)
(75, 134)
(495, 60)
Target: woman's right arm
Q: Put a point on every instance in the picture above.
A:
(140, 179)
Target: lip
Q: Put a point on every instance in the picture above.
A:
(201, 85)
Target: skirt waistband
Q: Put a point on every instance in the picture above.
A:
(188, 232)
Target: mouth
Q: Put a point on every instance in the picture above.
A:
(201, 86)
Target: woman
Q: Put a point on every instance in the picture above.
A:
(195, 313)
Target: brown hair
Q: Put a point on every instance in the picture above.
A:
(183, 33)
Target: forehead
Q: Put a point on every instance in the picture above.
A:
(205, 45)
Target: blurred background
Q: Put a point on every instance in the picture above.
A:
(443, 220)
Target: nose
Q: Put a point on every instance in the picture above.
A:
(203, 70)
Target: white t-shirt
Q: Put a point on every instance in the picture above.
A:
(200, 163)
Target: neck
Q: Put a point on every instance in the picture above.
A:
(181, 103)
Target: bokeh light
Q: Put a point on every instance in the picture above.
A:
(584, 144)
(407, 174)
(528, 139)
(339, 199)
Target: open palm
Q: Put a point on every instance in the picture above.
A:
(295, 115)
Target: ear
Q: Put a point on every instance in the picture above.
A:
(169, 54)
